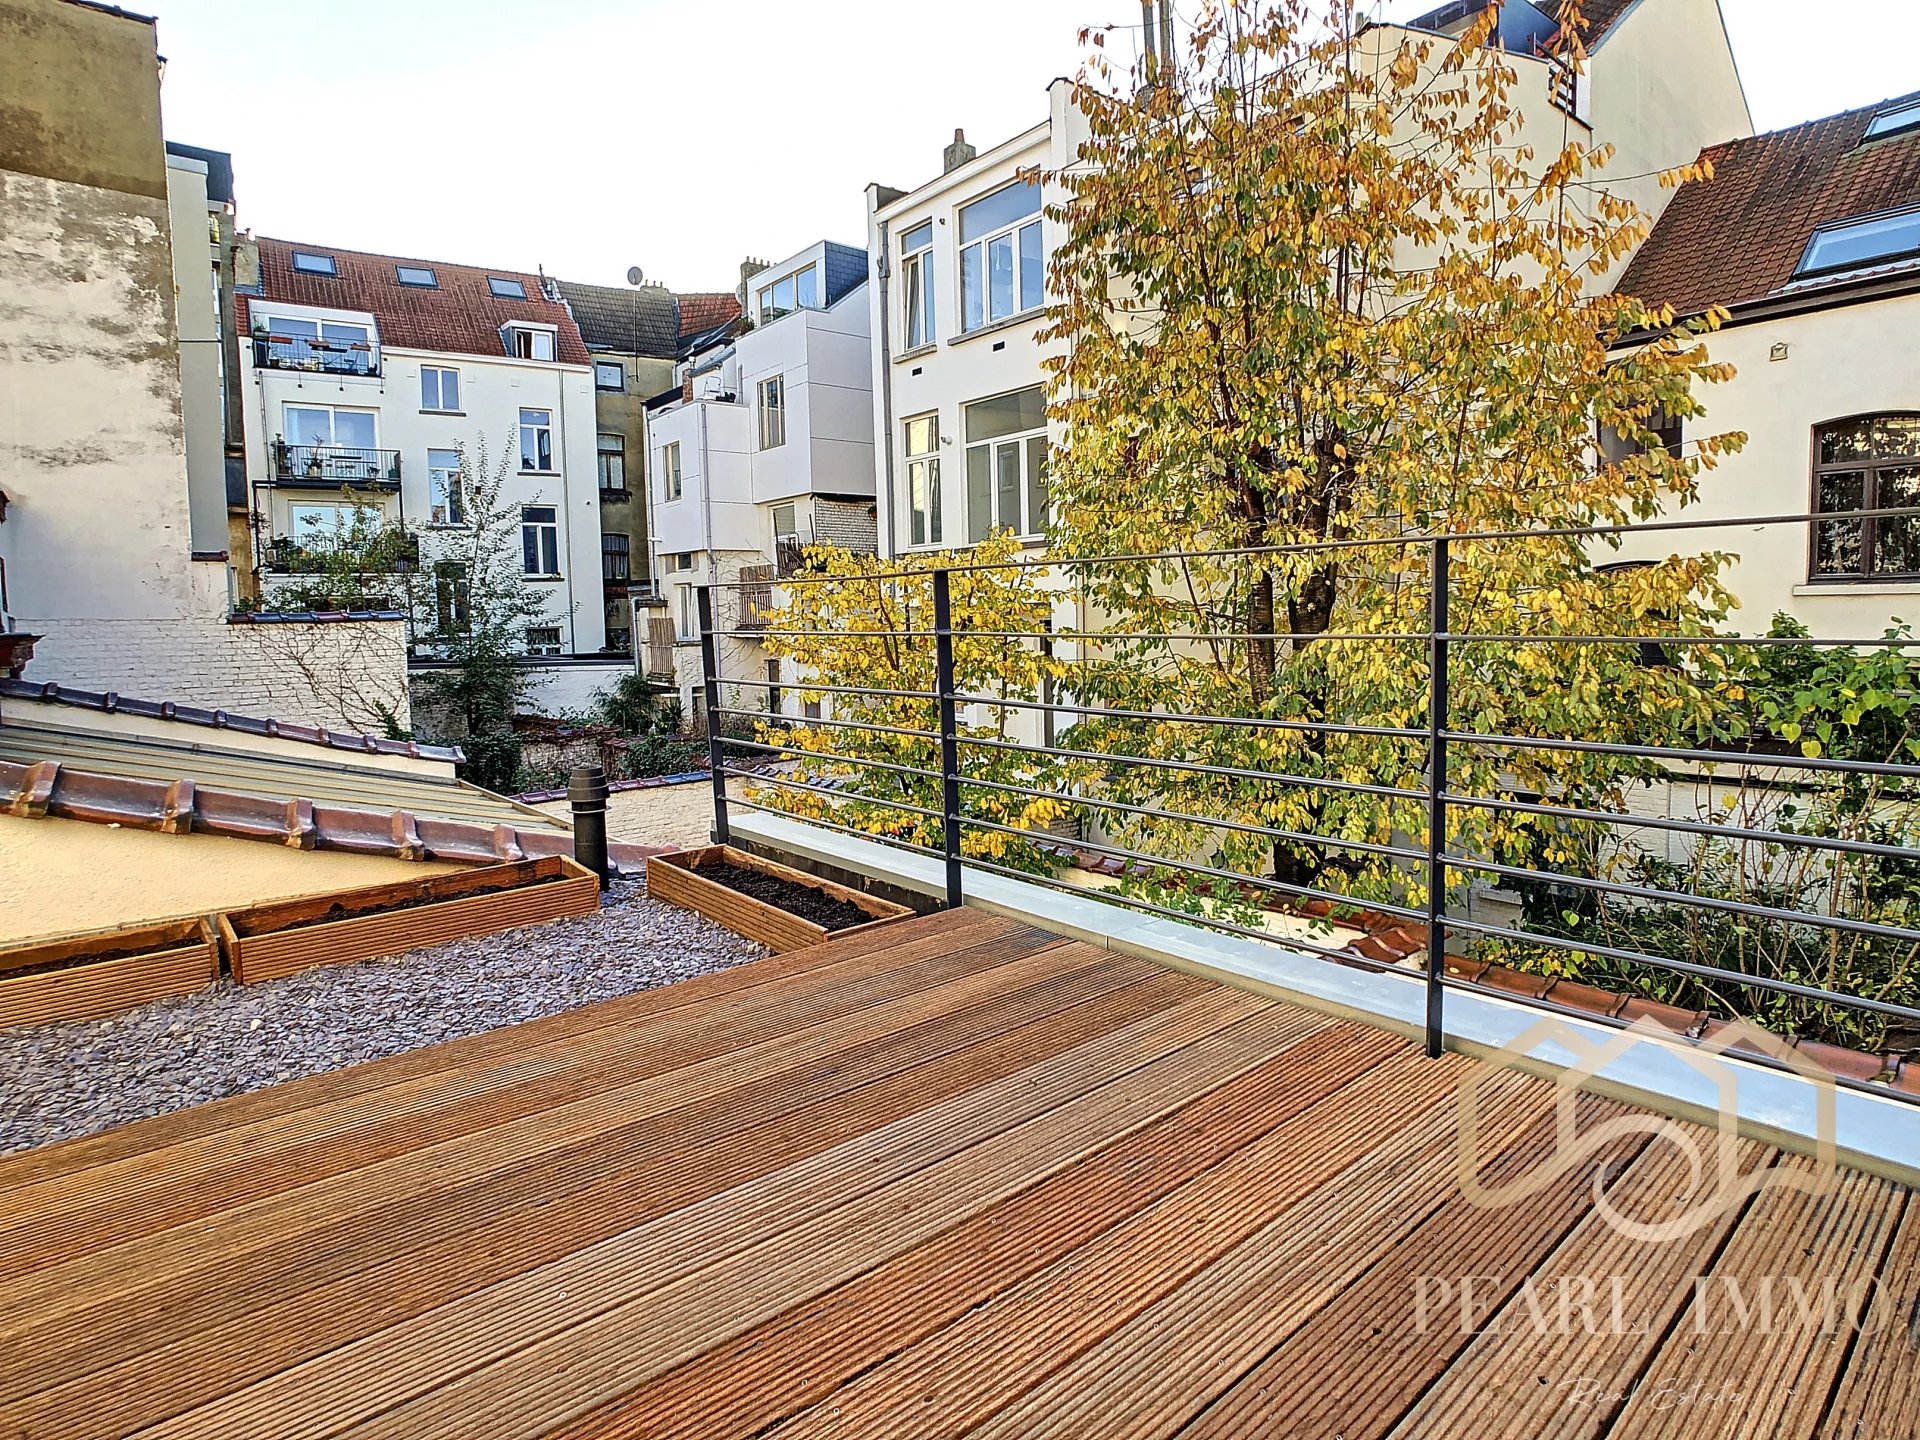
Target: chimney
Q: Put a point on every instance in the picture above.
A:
(749, 268)
(958, 153)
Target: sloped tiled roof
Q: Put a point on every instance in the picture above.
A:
(706, 311)
(642, 320)
(1739, 236)
(460, 315)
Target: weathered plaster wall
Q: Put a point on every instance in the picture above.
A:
(82, 97)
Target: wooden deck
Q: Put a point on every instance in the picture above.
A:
(954, 1177)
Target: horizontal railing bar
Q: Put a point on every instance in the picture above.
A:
(1696, 902)
(1684, 827)
(830, 791)
(833, 689)
(790, 723)
(1701, 757)
(912, 770)
(1227, 772)
(1883, 641)
(1687, 967)
(765, 630)
(1194, 636)
(1188, 867)
(1569, 532)
(1317, 727)
(1265, 831)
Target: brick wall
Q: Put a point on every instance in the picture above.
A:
(850, 524)
(346, 674)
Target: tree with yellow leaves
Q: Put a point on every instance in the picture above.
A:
(1318, 288)
(863, 625)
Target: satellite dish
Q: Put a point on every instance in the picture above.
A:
(636, 276)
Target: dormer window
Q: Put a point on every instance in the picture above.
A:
(528, 342)
(307, 262)
(1894, 120)
(1858, 244)
(798, 291)
(420, 277)
(506, 288)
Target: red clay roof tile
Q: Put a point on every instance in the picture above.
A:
(460, 315)
(700, 313)
(1739, 236)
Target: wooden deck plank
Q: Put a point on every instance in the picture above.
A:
(1523, 1377)
(809, 1350)
(1721, 1370)
(949, 1177)
(225, 1116)
(350, 1275)
(147, 1192)
(1360, 1362)
(392, 1366)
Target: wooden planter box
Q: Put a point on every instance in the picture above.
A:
(676, 878)
(269, 941)
(106, 971)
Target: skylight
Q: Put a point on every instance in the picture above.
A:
(506, 289)
(1853, 244)
(420, 275)
(308, 263)
(1895, 120)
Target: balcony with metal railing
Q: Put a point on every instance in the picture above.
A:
(334, 467)
(326, 356)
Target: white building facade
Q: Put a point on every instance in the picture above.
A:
(372, 380)
(767, 448)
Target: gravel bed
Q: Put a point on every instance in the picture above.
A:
(58, 1081)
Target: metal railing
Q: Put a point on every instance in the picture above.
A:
(328, 357)
(335, 466)
(948, 753)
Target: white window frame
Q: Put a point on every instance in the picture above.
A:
(766, 302)
(446, 490)
(531, 430)
(619, 370)
(792, 532)
(1014, 233)
(770, 407)
(918, 306)
(440, 385)
(672, 486)
(543, 646)
(545, 535)
(922, 473)
(1019, 446)
(527, 342)
(618, 451)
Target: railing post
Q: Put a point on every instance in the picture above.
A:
(944, 687)
(1437, 704)
(716, 756)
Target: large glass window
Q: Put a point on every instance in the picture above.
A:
(615, 557)
(916, 284)
(1871, 241)
(1007, 464)
(439, 388)
(335, 346)
(525, 343)
(446, 498)
(798, 291)
(613, 462)
(1868, 463)
(536, 440)
(1894, 120)
(923, 480)
(773, 412)
(1001, 270)
(539, 539)
(670, 471)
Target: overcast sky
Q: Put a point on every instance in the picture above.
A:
(591, 135)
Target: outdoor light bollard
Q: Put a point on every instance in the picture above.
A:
(587, 797)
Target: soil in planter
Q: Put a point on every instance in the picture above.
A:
(337, 912)
(796, 899)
